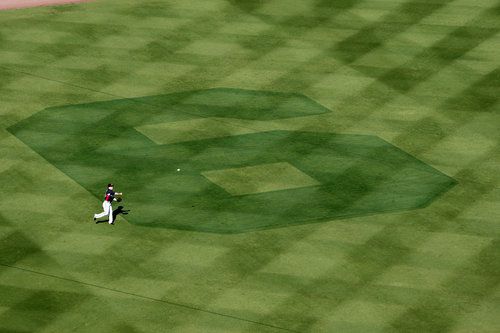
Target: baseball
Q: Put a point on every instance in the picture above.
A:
(178, 169)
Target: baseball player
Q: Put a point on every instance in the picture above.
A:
(109, 197)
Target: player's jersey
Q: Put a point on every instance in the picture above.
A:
(110, 195)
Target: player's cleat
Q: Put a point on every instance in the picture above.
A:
(94, 218)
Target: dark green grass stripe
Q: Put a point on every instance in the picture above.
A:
(481, 277)
(164, 45)
(259, 45)
(367, 262)
(321, 5)
(430, 61)
(241, 258)
(480, 96)
(266, 42)
(452, 47)
(146, 10)
(16, 246)
(79, 37)
(374, 35)
(296, 25)
(69, 84)
(247, 6)
(4, 221)
(438, 313)
(131, 99)
(180, 305)
(37, 308)
(167, 42)
(7, 77)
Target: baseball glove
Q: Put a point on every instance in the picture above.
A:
(118, 199)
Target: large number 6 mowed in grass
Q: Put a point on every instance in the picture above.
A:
(238, 170)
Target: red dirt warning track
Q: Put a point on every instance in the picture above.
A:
(17, 4)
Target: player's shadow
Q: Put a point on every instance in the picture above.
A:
(116, 212)
(119, 211)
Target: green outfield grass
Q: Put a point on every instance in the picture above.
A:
(187, 163)
(377, 120)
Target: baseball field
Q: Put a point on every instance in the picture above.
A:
(286, 166)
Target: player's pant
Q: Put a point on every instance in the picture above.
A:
(108, 210)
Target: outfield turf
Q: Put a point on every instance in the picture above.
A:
(378, 120)
(187, 163)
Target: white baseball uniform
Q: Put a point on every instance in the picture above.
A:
(106, 206)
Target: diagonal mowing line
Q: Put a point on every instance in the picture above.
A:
(464, 299)
(131, 99)
(447, 50)
(265, 42)
(375, 35)
(180, 305)
(345, 6)
(475, 99)
(424, 65)
(477, 95)
(357, 41)
(442, 53)
(61, 82)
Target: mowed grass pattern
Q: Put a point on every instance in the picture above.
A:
(422, 75)
(189, 184)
